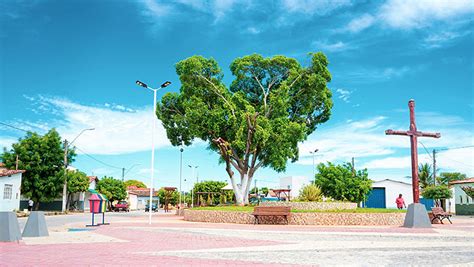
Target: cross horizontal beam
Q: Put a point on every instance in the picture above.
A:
(411, 133)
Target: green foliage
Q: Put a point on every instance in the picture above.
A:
(77, 181)
(215, 187)
(173, 197)
(264, 190)
(112, 188)
(425, 176)
(310, 192)
(223, 199)
(270, 101)
(469, 190)
(340, 183)
(138, 184)
(437, 192)
(43, 159)
(446, 177)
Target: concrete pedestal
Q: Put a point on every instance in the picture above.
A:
(36, 225)
(9, 227)
(417, 216)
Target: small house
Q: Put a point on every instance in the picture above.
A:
(461, 203)
(10, 184)
(385, 192)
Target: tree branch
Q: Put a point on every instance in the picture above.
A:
(216, 90)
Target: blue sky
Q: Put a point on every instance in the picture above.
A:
(72, 65)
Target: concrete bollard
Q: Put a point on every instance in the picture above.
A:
(36, 225)
(9, 227)
(417, 217)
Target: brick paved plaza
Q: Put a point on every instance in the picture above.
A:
(170, 241)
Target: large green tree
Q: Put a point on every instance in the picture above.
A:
(212, 187)
(341, 182)
(77, 181)
(43, 158)
(138, 184)
(270, 106)
(112, 188)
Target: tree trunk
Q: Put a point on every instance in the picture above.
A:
(36, 205)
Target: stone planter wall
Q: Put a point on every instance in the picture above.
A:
(310, 218)
(313, 205)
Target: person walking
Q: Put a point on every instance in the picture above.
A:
(30, 205)
(400, 202)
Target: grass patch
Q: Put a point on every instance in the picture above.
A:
(250, 209)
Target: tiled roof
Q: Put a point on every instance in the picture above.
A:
(465, 181)
(7, 172)
(143, 192)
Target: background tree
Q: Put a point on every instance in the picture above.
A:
(173, 199)
(271, 105)
(77, 181)
(340, 183)
(425, 176)
(112, 188)
(43, 159)
(446, 177)
(469, 190)
(138, 184)
(439, 192)
(215, 187)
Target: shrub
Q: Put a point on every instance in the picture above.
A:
(311, 192)
(437, 192)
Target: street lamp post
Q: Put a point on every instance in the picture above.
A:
(165, 84)
(128, 170)
(192, 189)
(314, 152)
(180, 176)
(66, 146)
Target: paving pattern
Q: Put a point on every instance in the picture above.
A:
(170, 241)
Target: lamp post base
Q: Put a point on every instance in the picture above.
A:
(417, 217)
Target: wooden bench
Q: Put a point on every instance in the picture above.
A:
(282, 211)
(440, 214)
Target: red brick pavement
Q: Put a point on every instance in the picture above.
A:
(134, 252)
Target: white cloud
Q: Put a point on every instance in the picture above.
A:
(372, 75)
(156, 9)
(116, 131)
(437, 40)
(311, 7)
(344, 95)
(331, 47)
(253, 30)
(405, 14)
(360, 23)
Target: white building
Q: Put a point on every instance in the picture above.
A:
(385, 192)
(460, 203)
(10, 183)
(295, 183)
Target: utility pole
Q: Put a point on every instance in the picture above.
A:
(180, 175)
(314, 167)
(353, 167)
(434, 166)
(123, 174)
(65, 176)
(16, 162)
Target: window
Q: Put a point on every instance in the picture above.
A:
(8, 191)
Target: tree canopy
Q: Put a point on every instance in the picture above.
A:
(43, 159)
(138, 184)
(271, 101)
(112, 188)
(77, 181)
(446, 177)
(437, 192)
(425, 176)
(341, 182)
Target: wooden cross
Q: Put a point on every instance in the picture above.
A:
(414, 134)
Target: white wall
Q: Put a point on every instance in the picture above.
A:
(132, 202)
(393, 189)
(295, 183)
(13, 203)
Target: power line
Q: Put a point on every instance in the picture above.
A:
(98, 160)
(14, 127)
(427, 152)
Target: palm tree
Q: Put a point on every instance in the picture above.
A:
(425, 177)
